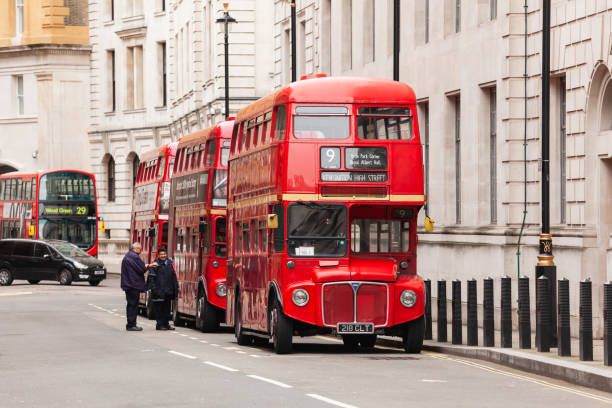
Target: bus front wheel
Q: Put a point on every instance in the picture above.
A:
(282, 330)
(206, 316)
(414, 332)
(241, 339)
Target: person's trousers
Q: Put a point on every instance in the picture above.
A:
(131, 310)
(162, 312)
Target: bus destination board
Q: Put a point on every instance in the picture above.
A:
(365, 158)
(64, 210)
(354, 176)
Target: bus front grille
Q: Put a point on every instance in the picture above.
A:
(363, 302)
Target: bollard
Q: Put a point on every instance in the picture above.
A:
(488, 318)
(506, 312)
(542, 314)
(524, 313)
(564, 345)
(457, 325)
(472, 313)
(428, 329)
(585, 330)
(442, 310)
(608, 323)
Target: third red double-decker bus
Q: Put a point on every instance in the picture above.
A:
(150, 206)
(198, 225)
(325, 184)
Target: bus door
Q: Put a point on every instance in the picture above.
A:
(202, 227)
(155, 239)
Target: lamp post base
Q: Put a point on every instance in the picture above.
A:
(546, 267)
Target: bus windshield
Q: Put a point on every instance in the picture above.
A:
(80, 232)
(316, 230)
(384, 123)
(66, 186)
(321, 122)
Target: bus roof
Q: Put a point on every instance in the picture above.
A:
(39, 173)
(165, 150)
(334, 90)
(223, 130)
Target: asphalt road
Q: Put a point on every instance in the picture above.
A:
(67, 347)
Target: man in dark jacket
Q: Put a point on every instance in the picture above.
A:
(164, 288)
(132, 282)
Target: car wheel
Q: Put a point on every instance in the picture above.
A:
(6, 277)
(413, 335)
(206, 316)
(282, 330)
(241, 338)
(34, 281)
(94, 282)
(65, 277)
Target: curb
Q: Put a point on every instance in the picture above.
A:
(591, 377)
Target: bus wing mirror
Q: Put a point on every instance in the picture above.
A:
(272, 221)
(429, 224)
(202, 227)
(151, 232)
(31, 230)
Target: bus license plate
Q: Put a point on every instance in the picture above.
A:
(355, 328)
(99, 273)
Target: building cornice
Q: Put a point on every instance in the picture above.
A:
(44, 49)
(128, 33)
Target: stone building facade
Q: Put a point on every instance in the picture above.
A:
(44, 85)
(475, 66)
(158, 74)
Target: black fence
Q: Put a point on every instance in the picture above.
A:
(546, 337)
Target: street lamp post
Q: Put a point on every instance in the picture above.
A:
(226, 19)
(545, 265)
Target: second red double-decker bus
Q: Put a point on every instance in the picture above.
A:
(198, 225)
(150, 206)
(50, 205)
(325, 184)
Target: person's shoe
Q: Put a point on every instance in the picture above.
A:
(161, 328)
(133, 328)
(170, 328)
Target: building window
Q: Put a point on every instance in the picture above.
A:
(457, 135)
(19, 94)
(163, 90)
(493, 152)
(135, 165)
(110, 179)
(562, 149)
(369, 29)
(301, 57)
(19, 16)
(347, 35)
(134, 70)
(457, 16)
(426, 21)
(111, 90)
(424, 131)
(326, 40)
(287, 57)
(493, 9)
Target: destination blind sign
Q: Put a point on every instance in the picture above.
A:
(64, 210)
(366, 158)
(354, 176)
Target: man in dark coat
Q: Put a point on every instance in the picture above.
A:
(164, 288)
(132, 282)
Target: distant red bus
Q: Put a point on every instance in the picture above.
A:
(326, 181)
(56, 204)
(198, 225)
(150, 205)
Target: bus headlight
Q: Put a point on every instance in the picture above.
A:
(300, 297)
(408, 298)
(215, 264)
(221, 290)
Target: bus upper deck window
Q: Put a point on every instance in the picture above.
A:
(321, 122)
(280, 123)
(384, 123)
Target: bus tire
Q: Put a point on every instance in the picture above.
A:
(241, 339)
(414, 332)
(65, 277)
(6, 277)
(149, 311)
(176, 317)
(206, 315)
(281, 329)
(34, 281)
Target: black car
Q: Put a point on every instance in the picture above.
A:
(60, 261)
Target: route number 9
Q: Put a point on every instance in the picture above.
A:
(330, 157)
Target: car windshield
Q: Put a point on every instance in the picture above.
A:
(317, 230)
(69, 250)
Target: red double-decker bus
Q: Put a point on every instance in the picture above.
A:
(150, 206)
(326, 181)
(198, 225)
(50, 205)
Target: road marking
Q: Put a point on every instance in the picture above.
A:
(524, 378)
(226, 368)
(329, 339)
(254, 355)
(182, 335)
(241, 352)
(427, 380)
(214, 345)
(182, 355)
(15, 294)
(193, 338)
(274, 382)
(330, 401)
(203, 341)
(231, 348)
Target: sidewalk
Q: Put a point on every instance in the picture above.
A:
(593, 374)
